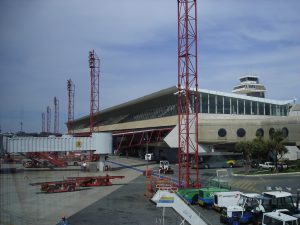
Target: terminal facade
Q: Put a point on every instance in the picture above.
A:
(141, 125)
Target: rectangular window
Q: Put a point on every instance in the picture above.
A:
(267, 107)
(261, 108)
(240, 106)
(226, 105)
(220, 104)
(204, 103)
(247, 107)
(233, 106)
(212, 104)
(254, 108)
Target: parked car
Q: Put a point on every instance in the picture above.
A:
(266, 165)
(271, 165)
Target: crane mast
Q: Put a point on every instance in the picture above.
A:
(71, 95)
(187, 94)
(48, 119)
(43, 122)
(56, 115)
(94, 63)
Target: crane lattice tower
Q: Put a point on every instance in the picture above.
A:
(187, 94)
(71, 96)
(48, 119)
(43, 122)
(94, 63)
(56, 115)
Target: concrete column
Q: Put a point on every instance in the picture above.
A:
(244, 106)
(251, 110)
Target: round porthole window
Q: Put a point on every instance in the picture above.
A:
(285, 132)
(222, 132)
(241, 132)
(259, 132)
(271, 132)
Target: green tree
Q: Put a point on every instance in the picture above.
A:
(260, 148)
(246, 147)
(275, 145)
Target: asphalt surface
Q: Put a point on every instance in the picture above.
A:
(127, 205)
(122, 203)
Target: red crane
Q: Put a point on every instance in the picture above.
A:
(187, 93)
(48, 119)
(56, 115)
(71, 95)
(43, 122)
(94, 63)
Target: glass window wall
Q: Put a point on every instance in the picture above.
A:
(212, 104)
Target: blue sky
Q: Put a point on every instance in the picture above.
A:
(43, 43)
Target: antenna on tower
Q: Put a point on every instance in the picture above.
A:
(71, 95)
(94, 63)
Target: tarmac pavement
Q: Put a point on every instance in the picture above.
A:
(21, 203)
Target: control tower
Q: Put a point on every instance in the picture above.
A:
(250, 86)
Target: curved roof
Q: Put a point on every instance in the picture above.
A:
(153, 106)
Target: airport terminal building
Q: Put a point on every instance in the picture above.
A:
(224, 119)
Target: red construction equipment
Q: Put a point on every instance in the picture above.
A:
(74, 183)
(43, 159)
(57, 186)
(187, 92)
(95, 181)
(71, 95)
